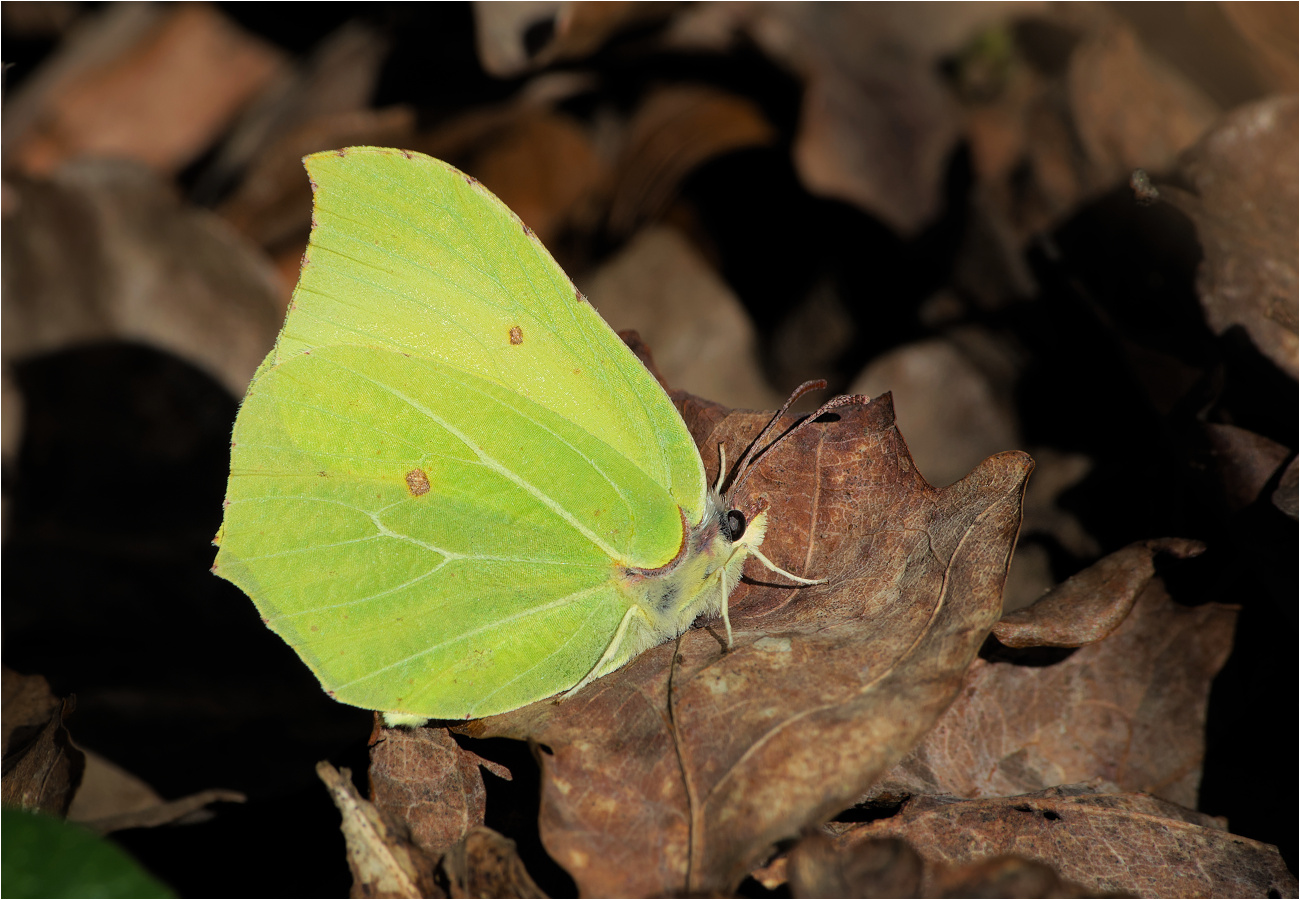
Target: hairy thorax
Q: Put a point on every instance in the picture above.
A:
(696, 583)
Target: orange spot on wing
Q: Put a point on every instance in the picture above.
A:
(417, 482)
(516, 335)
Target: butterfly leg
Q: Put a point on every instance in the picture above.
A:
(726, 618)
(610, 653)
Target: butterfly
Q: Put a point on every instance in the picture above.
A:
(453, 489)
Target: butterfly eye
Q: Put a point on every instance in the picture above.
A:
(734, 524)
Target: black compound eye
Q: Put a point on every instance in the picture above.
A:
(733, 524)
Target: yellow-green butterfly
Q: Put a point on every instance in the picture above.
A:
(453, 489)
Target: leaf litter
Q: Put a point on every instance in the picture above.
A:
(689, 769)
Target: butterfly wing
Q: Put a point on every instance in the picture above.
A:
(423, 501)
(409, 254)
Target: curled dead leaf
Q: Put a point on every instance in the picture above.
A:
(1090, 605)
(186, 810)
(1107, 842)
(1244, 461)
(1129, 709)
(486, 864)
(28, 704)
(423, 778)
(112, 799)
(338, 77)
(1110, 79)
(1245, 200)
(1284, 498)
(41, 767)
(877, 123)
(674, 131)
(883, 868)
(383, 861)
(516, 37)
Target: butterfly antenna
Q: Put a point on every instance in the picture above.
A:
(757, 449)
(743, 464)
(722, 469)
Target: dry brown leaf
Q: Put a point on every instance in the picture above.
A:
(1129, 709)
(674, 131)
(424, 779)
(1083, 103)
(337, 79)
(704, 340)
(38, 20)
(1269, 29)
(953, 413)
(1222, 47)
(675, 774)
(1244, 198)
(108, 790)
(186, 810)
(1090, 605)
(1284, 498)
(41, 766)
(1047, 520)
(383, 862)
(45, 770)
(1108, 842)
(1245, 461)
(105, 251)
(877, 122)
(514, 38)
(486, 864)
(146, 82)
(27, 703)
(500, 29)
(1115, 90)
(955, 396)
(816, 867)
(1003, 876)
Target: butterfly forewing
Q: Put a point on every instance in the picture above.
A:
(409, 254)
